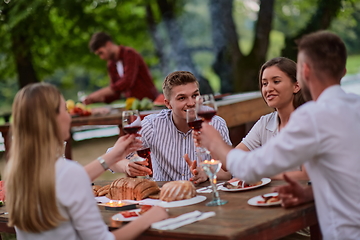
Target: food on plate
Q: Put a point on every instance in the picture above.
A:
(129, 214)
(132, 189)
(100, 111)
(136, 213)
(144, 209)
(103, 190)
(136, 104)
(95, 189)
(177, 190)
(269, 199)
(229, 185)
(77, 109)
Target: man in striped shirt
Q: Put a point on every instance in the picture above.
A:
(169, 136)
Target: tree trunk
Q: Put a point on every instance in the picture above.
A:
(181, 53)
(326, 11)
(158, 41)
(239, 73)
(23, 57)
(249, 66)
(225, 41)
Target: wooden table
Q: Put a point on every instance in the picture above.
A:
(234, 220)
(236, 109)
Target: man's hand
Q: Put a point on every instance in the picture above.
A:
(134, 169)
(211, 139)
(198, 174)
(99, 95)
(294, 194)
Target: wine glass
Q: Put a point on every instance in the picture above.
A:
(131, 121)
(145, 152)
(205, 106)
(194, 123)
(211, 168)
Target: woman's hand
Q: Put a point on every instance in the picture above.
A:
(126, 145)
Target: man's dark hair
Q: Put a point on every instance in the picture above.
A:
(326, 51)
(99, 40)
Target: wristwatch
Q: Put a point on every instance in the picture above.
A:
(103, 163)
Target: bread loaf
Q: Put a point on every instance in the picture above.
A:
(177, 190)
(132, 189)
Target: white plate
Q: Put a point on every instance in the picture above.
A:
(254, 201)
(120, 217)
(181, 203)
(263, 180)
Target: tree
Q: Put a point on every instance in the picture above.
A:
(238, 72)
(180, 52)
(326, 12)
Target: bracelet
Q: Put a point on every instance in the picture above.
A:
(103, 163)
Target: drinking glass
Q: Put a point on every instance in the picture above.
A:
(211, 168)
(131, 121)
(145, 152)
(205, 106)
(194, 123)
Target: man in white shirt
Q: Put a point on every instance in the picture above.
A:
(323, 134)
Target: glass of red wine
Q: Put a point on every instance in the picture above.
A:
(206, 107)
(131, 121)
(194, 122)
(145, 153)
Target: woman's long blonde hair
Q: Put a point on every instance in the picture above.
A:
(30, 172)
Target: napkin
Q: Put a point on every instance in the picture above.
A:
(208, 189)
(137, 122)
(187, 218)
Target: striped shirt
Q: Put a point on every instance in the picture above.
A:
(168, 145)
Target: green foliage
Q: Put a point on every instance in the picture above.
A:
(353, 64)
(59, 30)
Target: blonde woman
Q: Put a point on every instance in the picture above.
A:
(49, 197)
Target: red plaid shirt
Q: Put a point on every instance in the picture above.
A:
(136, 81)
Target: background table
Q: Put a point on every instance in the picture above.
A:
(237, 110)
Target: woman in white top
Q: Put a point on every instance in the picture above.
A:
(49, 197)
(281, 91)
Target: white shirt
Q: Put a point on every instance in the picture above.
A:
(77, 204)
(325, 135)
(168, 145)
(120, 68)
(262, 131)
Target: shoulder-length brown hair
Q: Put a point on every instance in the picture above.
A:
(30, 172)
(287, 66)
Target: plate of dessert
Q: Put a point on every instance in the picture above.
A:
(131, 215)
(266, 200)
(243, 186)
(179, 194)
(181, 203)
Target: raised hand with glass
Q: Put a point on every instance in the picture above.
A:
(205, 106)
(131, 121)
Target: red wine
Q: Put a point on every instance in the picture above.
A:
(145, 153)
(132, 129)
(207, 115)
(195, 125)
